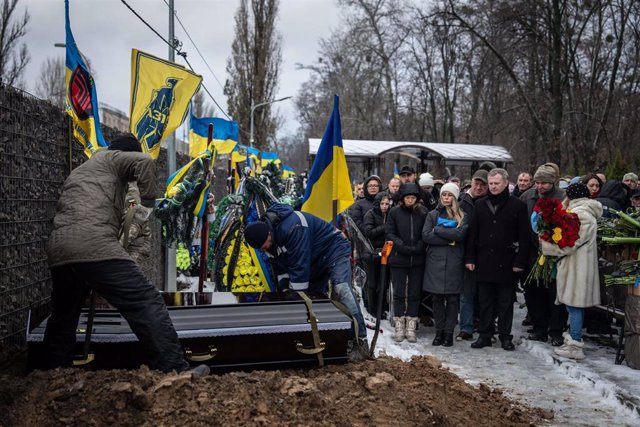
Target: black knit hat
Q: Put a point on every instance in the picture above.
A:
(126, 142)
(256, 234)
(577, 191)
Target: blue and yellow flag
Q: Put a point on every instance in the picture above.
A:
(82, 100)
(270, 157)
(329, 177)
(225, 135)
(396, 172)
(254, 158)
(287, 171)
(176, 183)
(160, 96)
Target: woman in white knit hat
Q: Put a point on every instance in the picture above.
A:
(444, 232)
(426, 191)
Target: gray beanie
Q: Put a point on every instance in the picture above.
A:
(546, 173)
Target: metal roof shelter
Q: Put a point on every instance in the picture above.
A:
(429, 152)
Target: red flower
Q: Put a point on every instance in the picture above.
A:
(552, 215)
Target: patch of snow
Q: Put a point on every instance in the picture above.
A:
(594, 391)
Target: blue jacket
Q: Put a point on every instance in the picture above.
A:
(303, 244)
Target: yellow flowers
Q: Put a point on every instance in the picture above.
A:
(541, 260)
(183, 260)
(173, 191)
(557, 234)
(247, 277)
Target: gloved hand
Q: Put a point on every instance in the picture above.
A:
(417, 250)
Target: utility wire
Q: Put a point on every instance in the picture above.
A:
(196, 47)
(178, 51)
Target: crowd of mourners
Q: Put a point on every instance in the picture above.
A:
(465, 246)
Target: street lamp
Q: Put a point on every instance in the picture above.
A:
(253, 108)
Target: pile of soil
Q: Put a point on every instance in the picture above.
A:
(381, 392)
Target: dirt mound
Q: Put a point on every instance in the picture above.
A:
(382, 392)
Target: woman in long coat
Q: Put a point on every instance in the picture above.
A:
(577, 269)
(374, 229)
(444, 232)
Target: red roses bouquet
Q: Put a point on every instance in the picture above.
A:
(556, 225)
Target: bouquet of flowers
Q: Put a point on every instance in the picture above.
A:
(556, 225)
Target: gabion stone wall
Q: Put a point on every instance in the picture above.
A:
(36, 156)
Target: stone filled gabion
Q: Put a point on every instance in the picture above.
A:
(34, 162)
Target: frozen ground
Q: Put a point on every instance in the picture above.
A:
(595, 391)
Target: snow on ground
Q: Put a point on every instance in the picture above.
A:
(594, 391)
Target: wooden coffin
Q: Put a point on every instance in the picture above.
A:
(228, 336)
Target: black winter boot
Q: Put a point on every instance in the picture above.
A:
(448, 340)
(482, 342)
(439, 339)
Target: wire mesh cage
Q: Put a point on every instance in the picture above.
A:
(35, 160)
(36, 156)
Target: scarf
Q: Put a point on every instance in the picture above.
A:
(500, 198)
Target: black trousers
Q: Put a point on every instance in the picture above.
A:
(445, 311)
(125, 287)
(496, 299)
(546, 316)
(407, 287)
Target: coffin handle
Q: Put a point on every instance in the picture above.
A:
(200, 357)
(313, 350)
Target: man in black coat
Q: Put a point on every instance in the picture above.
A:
(468, 312)
(523, 184)
(407, 175)
(498, 249)
(548, 319)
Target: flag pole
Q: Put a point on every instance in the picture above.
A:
(204, 233)
(170, 250)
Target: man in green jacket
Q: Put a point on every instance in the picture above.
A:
(84, 253)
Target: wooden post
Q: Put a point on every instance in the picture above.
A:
(204, 234)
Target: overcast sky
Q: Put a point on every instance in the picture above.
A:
(106, 31)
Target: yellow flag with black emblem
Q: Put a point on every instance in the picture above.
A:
(160, 95)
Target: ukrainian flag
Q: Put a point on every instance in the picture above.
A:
(270, 157)
(329, 177)
(287, 171)
(160, 96)
(82, 100)
(396, 172)
(176, 181)
(254, 156)
(225, 135)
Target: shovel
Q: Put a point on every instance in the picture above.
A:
(386, 250)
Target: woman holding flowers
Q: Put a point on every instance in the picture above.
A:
(444, 232)
(577, 268)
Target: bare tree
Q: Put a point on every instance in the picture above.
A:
(201, 106)
(551, 80)
(51, 81)
(14, 57)
(254, 68)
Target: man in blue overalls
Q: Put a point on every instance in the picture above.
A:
(311, 252)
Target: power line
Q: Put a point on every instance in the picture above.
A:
(196, 47)
(178, 51)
